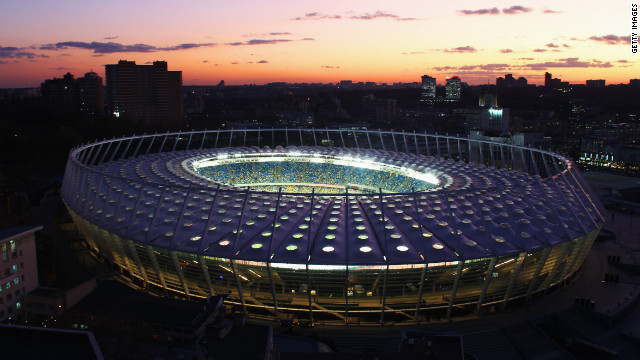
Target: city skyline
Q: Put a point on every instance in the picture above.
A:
(252, 42)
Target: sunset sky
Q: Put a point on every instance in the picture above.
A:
(260, 41)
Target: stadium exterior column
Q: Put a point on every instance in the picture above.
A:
(315, 140)
(273, 138)
(369, 140)
(104, 154)
(174, 258)
(456, 284)
(346, 278)
(448, 147)
(230, 137)
(240, 295)
(438, 145)
(189, 142)
(382, 140)
(487, 280)
(415, 141)
(273, 230)
(244, 138)
(175, 143)
(164, 141)
(153, 138)
(424, 266)
(393, 137)
(205, 273)
(493, 160)
(406, 146)
(426, 143)
(286, 136)
(459, 150)
(156, 267)
(113, 155)
(328, 137)
(136, 259)
(514, 278)
(386, 270)
(342, 138)
(126, 150)
(115, 239)
(524, 162)
(536, 275)
(300, 133)
(86, 155)
(258, 144)
(95, 157)
(311, 206)
(204, 136)
(355, 138)
(480, 146)
(217, 137)
(135, 153)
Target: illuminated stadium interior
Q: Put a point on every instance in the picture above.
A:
(334, 226)
(304, 172)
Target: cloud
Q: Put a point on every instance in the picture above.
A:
(540, 50)
(330, 67)
(461, 49)
(113, 47)
(506, 51)
(317, 16)
(525, 59)
(235, 63)
(258, 42)
(552, 45)
(517, 9)
(61, 68)
(365, 16)
(492, 11)
(568, 63)
(279, 33)
(413, 53)
(612, 39)
(444, 68)
(111, 37)
(623, 61)
(549, 11)
(205, 61)
(18, 53)
(262, 62)
(380, 14)
(3, 62)
(308, 39)
(485, 67)
(565, 45)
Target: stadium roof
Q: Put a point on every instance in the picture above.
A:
(480, 212)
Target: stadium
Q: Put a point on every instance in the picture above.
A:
(334, 226)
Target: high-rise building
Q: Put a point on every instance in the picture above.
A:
(90, 93)
(146, 95)
(634, 83)
(428, 94)
(60, 94)
(509, 81)
(20, 274)
(454, 85)
(84, 94)
(596, 83)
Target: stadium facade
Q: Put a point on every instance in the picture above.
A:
(334, 226)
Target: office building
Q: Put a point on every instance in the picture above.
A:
(454, 86)
(146, 95)
(428, 94)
